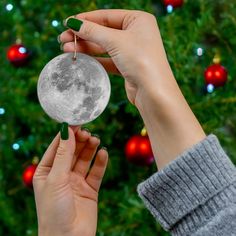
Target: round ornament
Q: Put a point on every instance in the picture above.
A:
(173, 3)
(28, 175)
(216, 75)
(138, 150)
(73, 90)
(18, 55)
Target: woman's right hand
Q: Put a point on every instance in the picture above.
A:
(131, 39)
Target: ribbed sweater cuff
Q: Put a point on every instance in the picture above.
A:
(188, 184)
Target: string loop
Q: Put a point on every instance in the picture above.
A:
(75, 46)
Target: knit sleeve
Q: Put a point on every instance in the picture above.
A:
(196, 193)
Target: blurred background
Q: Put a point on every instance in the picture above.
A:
(200, 40)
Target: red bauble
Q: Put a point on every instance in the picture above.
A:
(174, 3)
(18, 55)
(138, 150)
(216, 75)
(28, 175)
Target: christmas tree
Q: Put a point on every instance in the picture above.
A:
(200, 41)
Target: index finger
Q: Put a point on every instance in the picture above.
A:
(112, 18)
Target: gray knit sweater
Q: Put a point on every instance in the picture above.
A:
(196, 193)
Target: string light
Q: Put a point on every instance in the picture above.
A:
(9, 7)
(200, 52)
(210, 88)
(169, 8)
(2, 111)
(16, 146)
(55, 23)
(22, 50)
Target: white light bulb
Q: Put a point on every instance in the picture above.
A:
(200, 52)
(22, 50)
(16, 146)
(9, 7)
(55, 23)
(2, 111)
(169, 8)
(210, 88)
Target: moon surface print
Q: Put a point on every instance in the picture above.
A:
(73, 91)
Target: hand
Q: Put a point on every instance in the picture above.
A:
(130, 38)
(66, 192)
(133, 42)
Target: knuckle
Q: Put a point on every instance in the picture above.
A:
(143, 13)
(105, 21)
(60, 152)
(87, 29)
(152, 17)
(149, 16)
(96, 177)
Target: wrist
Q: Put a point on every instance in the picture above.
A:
(155, 78)
(155, 89)
(171, 125)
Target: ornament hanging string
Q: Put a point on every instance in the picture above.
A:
(75, 45)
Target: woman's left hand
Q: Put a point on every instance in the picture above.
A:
(66, 192)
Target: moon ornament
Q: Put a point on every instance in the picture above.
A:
(73, 91)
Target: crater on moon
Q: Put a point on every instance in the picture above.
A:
(75, 92)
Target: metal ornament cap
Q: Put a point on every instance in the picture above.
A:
(73, 91)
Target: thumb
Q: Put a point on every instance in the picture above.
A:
(65, 152)
(87, 30)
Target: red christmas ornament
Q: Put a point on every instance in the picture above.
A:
(28, 175)
(174, 3)
(18, 55)
(138, 150)
(216, 75)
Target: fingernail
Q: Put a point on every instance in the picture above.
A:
(85, 129)
(64, 22)
(58, 39)
(64, 131)
(104, 148)
(95, 135)
(62, 46)
(74, 24)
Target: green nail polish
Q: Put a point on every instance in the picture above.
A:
(74, 24)
(64, 131)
